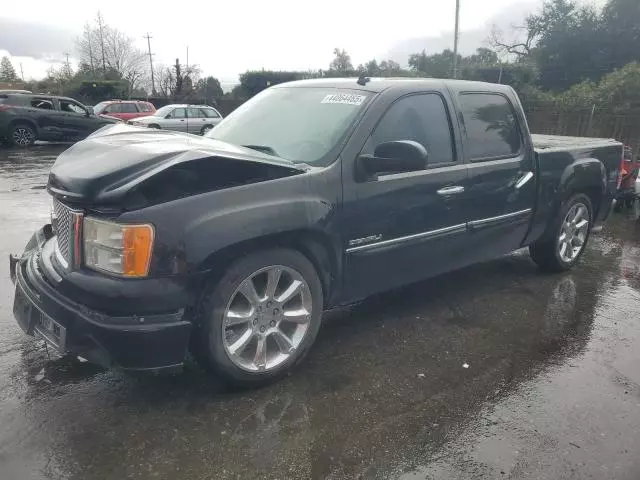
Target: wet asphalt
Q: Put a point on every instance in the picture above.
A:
(551, 388)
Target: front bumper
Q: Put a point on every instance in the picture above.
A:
(132, 342)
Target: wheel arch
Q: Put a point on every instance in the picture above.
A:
(316, 246)
(24, 121)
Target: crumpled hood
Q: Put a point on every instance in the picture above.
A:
(116, 158)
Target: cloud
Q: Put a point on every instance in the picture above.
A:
(27, 39)
(469, 39)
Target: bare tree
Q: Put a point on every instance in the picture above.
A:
(521, 42)
(86, 46)
(118, 51)
(124, 58)
(165, 80)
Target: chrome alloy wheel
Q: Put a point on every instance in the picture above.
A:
(267, 318)
(573, 232)
(22, 136)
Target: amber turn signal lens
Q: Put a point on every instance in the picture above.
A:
(137, 245)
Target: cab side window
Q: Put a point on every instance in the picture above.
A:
(42, 103)
(70, 107)
(178, 113)
(422, 118)
(128, 108)
(491, 125)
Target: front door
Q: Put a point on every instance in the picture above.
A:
(400, 228)
(176, 120)
(75, 120)
(502, 183)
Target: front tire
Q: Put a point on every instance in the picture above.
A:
(259, 321)
(564, 245)
(22, 135)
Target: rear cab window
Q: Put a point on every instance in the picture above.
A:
(210, 113)
(491, 127)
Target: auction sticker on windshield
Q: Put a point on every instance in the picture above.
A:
(344, 98)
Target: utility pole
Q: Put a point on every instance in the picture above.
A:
(455, 40)
(100, 24)
(153, 81)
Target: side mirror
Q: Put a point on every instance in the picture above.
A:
(392, 157)
(90, 111)
(169, 115)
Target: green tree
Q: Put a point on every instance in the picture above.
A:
(438, 65)
(7, 72)
(209, 87)
(341, 62)
(621, 32)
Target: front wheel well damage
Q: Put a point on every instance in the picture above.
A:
(315, 246)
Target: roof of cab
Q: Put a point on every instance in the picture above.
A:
(377, 85)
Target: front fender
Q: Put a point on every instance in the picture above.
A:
(219, 229)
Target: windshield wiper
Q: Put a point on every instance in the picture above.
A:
(263, 148)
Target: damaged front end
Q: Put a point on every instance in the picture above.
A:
(130, 168)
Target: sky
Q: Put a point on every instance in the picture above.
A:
(227, 38)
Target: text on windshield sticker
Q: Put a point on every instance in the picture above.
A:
(344, 98)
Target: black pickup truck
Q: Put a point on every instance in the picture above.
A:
(311, 195)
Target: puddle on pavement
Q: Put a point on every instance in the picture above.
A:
(383, 393)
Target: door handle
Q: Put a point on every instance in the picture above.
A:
(524, 179)
(451, 190)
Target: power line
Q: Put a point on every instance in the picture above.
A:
(153, 81)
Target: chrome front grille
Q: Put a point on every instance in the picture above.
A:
(61, 222)
(64, 221)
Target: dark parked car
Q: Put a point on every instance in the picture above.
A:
(232, 245)
(25, 118)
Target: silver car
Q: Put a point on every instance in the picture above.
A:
(197, 119)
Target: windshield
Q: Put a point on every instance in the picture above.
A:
(100, 107)
(298, 124)
(163, 112)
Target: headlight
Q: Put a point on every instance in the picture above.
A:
(117, 248)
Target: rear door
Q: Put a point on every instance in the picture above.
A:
(196, 120)
(400, 228)
(47, 118)
(502, 185)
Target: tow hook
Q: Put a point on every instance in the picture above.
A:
(13, 262)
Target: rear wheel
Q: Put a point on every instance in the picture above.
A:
(205, 129)
(561, 249)
(260, 319)
(22, 135)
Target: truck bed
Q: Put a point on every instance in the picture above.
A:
(553, 142)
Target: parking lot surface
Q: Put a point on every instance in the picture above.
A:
(495, 371)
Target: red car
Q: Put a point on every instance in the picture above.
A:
(124, 109)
